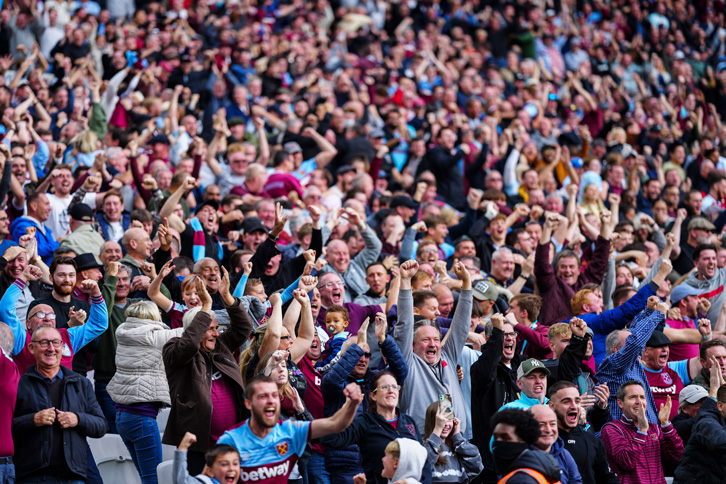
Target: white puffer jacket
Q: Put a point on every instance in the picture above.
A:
(140, 376)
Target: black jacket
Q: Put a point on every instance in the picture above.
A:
(589, 454)
(449, 179)
(33, 444)
(287, 272)
(703, 460)
(492, 385)
(539, 461)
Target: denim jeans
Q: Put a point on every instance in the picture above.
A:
(49, 480)
(108, 406)
(315, 470)
(7, 473)
(141, 436)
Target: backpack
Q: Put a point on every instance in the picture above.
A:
(536, 475)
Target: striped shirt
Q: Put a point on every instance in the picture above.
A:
(624, 364)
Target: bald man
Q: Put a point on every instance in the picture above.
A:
(550, 442)
(137, 243)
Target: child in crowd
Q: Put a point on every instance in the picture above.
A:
(222, 464)
(173, 309)
(451, 457)
(403, 461)
(336, 321)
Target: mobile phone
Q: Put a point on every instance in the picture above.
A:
(446, 406)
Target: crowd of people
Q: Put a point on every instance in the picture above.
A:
(364, 241)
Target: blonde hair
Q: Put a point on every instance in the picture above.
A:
(394, 449)
(86, 142)
(143, 310)
(251, 350)
(561, 330)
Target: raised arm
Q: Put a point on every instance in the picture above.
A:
(167, 211)
(154, 292)
(327, 150)
(461, 322)
(10, 300)
(403, 331)
(306, 333)
(180, 351)
(271, 339)
(97, 319)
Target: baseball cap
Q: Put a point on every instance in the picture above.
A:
(292, 147)
(681, 291)
(235, 121)
(485, 291)
(701, 223)
(658, 339)
(402, 201)
(211, 203)
(530, 365)
(81, 212)
(692, 394)
(377, 133)
(159, 138)
(253, 224)
(87, 261)
(344, 169)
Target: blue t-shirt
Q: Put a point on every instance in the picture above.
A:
(269, 460)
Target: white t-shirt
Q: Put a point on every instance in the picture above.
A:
(115, 231)
(58, 219)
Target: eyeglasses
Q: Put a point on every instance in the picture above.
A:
(43, 315)
(284, 337)
(332, 284)
(388, 387)
(512, 335)
(366, 355)
(44, 343)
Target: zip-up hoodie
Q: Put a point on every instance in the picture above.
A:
(410, 463)
(569, 473)
(712, 289)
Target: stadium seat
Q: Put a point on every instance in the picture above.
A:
(119, 471)
(110, 446)
(162, 419)
(165, 471)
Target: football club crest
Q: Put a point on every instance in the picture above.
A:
(282, 448)
(666, 378)
(411, 428)
(66, 351)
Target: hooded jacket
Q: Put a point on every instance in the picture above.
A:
(712, 289)
(463, 462)
(569, 473)
(536, 460)
(703, 460)
(140, 375)
(410, 463)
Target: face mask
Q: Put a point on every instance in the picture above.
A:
(181, 278)
(507, 450)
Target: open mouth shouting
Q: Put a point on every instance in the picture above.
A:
(572, 417)
(509, 349)
(231, 477)
(337, 296)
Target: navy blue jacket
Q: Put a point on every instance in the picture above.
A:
(103, 223)
(703, 460)
(339, 376)
(33, 444)
(372, 434)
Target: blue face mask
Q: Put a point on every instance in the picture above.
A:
(181, 278)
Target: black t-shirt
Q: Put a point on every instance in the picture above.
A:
(211, 246)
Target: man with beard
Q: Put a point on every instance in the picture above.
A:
(69, 310)
(492, 385)
(115, 290)
(354, 367)
(198, 237)
(74, 337)
(266, 261)
(268, 447)
(586, 448)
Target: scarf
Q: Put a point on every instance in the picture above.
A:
(199, 249)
